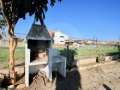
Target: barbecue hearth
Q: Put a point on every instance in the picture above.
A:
(39, 50)
(40, 56)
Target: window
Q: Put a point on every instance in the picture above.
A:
(62, 36)
(61, 41)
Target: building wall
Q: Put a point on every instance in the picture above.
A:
(60, 38)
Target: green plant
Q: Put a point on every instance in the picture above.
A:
(100, 58)
(70, 55)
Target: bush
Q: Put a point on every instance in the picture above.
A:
(69, 54)
(100, 58)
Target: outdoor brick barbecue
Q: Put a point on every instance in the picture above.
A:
(38, 42)
(39, 54)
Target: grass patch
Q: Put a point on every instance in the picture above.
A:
(82, 52)
(92, 51)
(4, 55)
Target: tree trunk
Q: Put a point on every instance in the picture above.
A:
(12, 47)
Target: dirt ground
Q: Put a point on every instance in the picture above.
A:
(102, 77)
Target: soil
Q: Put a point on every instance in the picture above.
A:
(59, 82)
(102, 77)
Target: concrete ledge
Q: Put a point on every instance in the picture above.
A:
(108, 58)
(96, 65)
(86, 61)
(93, 60)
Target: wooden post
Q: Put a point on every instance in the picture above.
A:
(27, 62)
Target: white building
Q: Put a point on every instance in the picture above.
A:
(60, 38)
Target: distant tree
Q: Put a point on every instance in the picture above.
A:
(118, 46)
(2, 25)
(13, 10)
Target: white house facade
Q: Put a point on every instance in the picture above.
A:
(60, 38)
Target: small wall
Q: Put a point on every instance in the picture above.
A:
(93, 60)
(115, 57)
(86, 61)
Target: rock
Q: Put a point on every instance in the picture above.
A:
(2, 89)
(49, 84)
(20, 87)
(1, 78)
(1, 81)
(11, 87)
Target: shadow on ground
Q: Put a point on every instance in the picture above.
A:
(71, 82)
(20, 64)
(7, 81)
(73, 77)
(106, 87)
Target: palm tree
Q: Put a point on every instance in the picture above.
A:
(13, 10)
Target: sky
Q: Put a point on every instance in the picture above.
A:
(81, 19)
